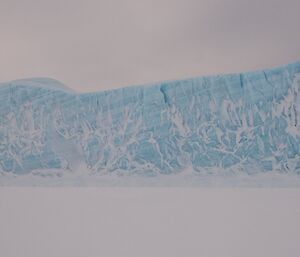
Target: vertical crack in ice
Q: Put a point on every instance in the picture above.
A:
(163, 91)
(267, 79)
(241, 80)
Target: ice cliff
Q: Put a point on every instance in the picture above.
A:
(248, 122)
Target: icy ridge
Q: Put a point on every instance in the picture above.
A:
(247, 122)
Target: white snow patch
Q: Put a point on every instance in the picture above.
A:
(147, 222)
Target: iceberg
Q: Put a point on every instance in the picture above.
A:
(247, 122)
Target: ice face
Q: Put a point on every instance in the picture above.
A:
(246, 122)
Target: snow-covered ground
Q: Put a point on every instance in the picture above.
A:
(147, 222)
(187, 178)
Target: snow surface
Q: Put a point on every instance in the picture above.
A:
(47, 83)
(238, 124)
(147, 222)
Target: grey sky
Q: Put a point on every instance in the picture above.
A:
(94, 45)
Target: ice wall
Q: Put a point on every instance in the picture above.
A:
(247, 122)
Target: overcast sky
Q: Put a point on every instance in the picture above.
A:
(101, 44)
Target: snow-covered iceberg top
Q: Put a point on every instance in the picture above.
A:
(237, 123)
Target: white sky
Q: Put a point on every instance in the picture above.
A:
(94, 45)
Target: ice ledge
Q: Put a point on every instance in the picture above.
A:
(43, 82)
(246, 122)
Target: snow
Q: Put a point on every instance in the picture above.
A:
(48, 83)
(186, 178)
(147, 222)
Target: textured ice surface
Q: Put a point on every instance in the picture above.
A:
(245, 123)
